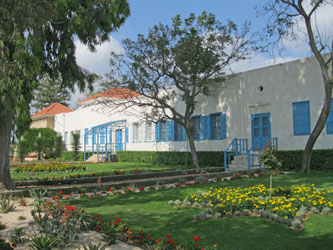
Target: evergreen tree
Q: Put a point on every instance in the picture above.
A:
(50, 91)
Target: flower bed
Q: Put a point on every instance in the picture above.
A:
(53, 167)
(287, 205)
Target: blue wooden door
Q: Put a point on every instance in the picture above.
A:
(119, 140)
(261, 130)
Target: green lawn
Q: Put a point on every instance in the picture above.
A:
(96, 168)
(150, 212)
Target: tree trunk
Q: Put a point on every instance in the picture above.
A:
(318, 128)
(192, 147)
(6, 120)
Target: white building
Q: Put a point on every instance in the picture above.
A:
(282, 101)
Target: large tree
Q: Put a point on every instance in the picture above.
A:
(292, 19)
(50, 91)
(172, 66)
(38, 37)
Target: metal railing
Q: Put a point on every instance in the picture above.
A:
(251, 155)
(236, 147)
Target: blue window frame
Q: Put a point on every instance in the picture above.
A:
(149, 131)
(301, 115)
(136, 132)
(163, 130)
(179, 132)
(215, 120)
(196, 127)
(329, 122)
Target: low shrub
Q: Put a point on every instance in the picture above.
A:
(206, 158)
(69, 156)
(53, 167)
(321, 159)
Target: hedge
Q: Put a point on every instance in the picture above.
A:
(69, 156)
(206, 158)
(321, 160)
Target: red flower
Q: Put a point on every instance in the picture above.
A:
(123, 228)
(100, 219)
(141, 232)
(119, 219)
(157, 241)
(97, 227)
(82, 211)
(97, 215)
(149, 237)
(175, 244)
(55, 197)
(115, 222)
(131, 236)
(168, 237)
(14, 245)
(197, 246)
(111, 189)
(196, 238)
(60, 192)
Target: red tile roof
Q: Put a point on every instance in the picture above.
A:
(55, 108)
(120, 93)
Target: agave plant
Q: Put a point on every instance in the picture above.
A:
(94, 247)
(42, 242)
(6, 203)
(2, 225)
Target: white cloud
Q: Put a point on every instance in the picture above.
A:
(322, 26)
(258, 61)
(97, 62)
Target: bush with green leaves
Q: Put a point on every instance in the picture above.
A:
(61, 221)
(91, 246)
(42, 242)
(7, 205)
(4, 245)
(16, 235)
(76, 145)
(206, 158)
(40, 140)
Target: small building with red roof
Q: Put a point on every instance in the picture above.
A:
(46, 117)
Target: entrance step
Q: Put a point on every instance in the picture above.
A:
(94, 158)
(240, 162)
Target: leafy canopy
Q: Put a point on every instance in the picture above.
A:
(178, 62)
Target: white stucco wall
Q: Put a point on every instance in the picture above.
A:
(239, 98)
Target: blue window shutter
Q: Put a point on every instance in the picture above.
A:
(170, 130)
(223, 126)
(208, 126)
(202, 127)
(329, 122)
(301, 118)
(183, 133)
(102, 136)
(157, 132)
(126, 135)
